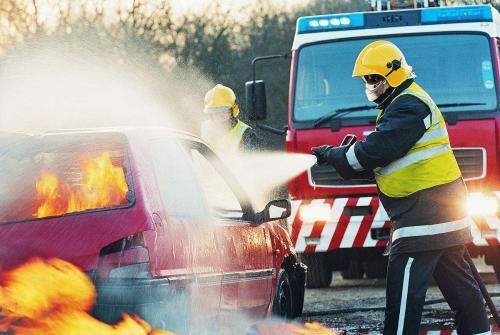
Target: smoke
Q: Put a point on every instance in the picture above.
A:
(60, 84)
(57, 85)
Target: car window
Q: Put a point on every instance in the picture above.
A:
(323, 86)
(60, 174)
(181, 193)
(221, 199)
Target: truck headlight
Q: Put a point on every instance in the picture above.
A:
(480, 204)
(315, 212)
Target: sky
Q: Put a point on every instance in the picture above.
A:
(48, 10)
(189, 5)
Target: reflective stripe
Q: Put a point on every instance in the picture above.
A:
(353, 160)
(404, 297)
(237, 136)
(427, 121)
(433, 134)
(426, 230)
(210, 110)
(432, 106)
(412, 158)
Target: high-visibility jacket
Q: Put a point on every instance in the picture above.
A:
(418, 179)
(430, 162)
(232, 141)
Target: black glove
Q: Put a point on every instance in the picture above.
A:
(321, 153)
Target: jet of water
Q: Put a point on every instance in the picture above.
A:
(261, 173)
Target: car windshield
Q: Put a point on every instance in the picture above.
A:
(455, 69)
(45, 176)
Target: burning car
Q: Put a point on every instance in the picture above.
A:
(156, 220)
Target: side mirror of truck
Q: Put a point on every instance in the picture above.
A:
(275, 210)
(255, 95)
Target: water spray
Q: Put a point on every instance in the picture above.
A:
(261, 173)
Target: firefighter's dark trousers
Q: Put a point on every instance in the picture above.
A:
(407, 280)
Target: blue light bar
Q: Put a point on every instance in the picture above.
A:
(330, 22)
(457, 14)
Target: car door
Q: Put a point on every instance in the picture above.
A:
(191, 257)
(247, 264)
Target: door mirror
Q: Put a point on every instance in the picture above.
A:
(275, 210)
(255, 96)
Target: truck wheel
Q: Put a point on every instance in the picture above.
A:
(376, 268)
(497, 271)
(283, 301)
(492, 257)
(354, 270)
(319, 272)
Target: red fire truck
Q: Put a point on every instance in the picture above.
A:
(338, 224)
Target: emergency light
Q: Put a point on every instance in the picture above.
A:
(424, 16)
(330, 22)
(456, 14)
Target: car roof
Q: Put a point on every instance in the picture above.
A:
(128, 131)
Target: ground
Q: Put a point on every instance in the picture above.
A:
(357, 306)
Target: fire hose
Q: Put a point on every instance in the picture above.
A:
(475, 273)
(482, 287)
(351, 139)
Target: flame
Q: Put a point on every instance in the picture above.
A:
(309, 328)
(53, 297)
(103, 185)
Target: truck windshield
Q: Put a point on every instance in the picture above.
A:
(455, 69)
(57, 175)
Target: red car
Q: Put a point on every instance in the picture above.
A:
(154, 217)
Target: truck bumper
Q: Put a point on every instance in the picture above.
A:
(359, 222)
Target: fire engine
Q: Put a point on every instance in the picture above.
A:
(338, 224)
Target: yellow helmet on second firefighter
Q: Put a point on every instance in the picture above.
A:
(224, 130)
(221, 99)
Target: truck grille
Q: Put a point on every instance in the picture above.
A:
(470, 160)
(326, 175)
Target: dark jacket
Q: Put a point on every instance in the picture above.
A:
(250, 141)
(399, 127)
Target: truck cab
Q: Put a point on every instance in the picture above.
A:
(340, 224)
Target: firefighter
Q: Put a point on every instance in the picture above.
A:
(222, 129)
(421, 188)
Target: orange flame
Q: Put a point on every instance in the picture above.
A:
(103, 185)
(54, 297)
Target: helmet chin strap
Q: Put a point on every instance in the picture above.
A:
(381, 99)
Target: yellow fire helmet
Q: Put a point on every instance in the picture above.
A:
(383, 58)
(221, 99)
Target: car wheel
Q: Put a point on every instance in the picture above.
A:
(319, 271)
(354, 270)
(283, 302)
